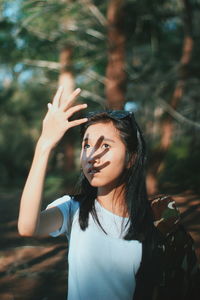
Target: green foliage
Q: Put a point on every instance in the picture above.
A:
(53, 184)
(182, 166)
(35, 31)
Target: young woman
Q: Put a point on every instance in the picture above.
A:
(115, 250)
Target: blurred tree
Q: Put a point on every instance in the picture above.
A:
(147, 50)
(66, 79)
(167, 124)
(115, 85)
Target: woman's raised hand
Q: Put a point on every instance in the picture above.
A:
(56, 121)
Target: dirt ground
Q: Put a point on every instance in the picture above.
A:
(30, 269)
(36, 269)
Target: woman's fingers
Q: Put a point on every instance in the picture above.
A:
(56, 99)
(74, 109)
(77, 122)
(70, 99)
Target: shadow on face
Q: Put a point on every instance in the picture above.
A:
(95, 154)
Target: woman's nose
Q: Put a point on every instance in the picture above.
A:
(94, 158)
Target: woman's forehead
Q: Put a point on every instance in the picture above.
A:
(97, 130)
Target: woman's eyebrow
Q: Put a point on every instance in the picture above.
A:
(109, 140)
(104, 139)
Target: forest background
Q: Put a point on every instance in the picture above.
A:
(135, 55)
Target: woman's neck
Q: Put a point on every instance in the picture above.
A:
(113, 200)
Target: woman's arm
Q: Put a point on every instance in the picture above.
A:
(31, 221)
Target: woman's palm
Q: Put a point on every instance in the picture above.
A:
(56, 121)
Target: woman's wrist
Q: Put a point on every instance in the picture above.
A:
(44, 146)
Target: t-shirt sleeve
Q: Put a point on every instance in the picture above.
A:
(68, 207)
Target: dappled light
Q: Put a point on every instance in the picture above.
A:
(137, 56)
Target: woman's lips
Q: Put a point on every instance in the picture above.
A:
(93, 170)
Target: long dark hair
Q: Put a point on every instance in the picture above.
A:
(140, 214)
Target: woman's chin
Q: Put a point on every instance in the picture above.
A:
(99, 184)
(96, 183)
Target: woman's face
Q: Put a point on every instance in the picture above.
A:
(103, 155)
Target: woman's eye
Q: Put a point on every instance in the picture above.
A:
(106, 146)
(86, 146)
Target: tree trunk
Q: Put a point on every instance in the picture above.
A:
(156, 163)
(66, 79)
(115, 73)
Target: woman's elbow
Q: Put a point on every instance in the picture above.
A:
(25, 231)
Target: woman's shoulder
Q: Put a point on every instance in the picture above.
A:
(66, 201)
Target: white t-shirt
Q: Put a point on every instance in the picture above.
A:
(101, 267)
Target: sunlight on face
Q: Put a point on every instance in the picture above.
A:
(103, 154)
